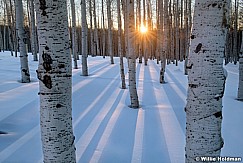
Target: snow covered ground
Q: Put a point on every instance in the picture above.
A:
(106, 129)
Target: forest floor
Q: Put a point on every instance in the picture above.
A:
(106, 129)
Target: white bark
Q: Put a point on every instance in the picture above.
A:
(177, 36)
(55, 81)
(123, 85)
(188, 33)
(182, 34)
(240, 85)
(1, 42)
(91, 29)
(165, 22)
(235, 39)
(206, 81)
(10, 31)
(110, 49)
(131, 54)
(74, 35)
(4, 29)
(25, 75)
(84, 39)
(103, 31)
(96, 39)
(33, 31)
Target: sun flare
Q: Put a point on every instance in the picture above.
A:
(143, 29)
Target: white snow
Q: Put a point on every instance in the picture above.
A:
(106, 129)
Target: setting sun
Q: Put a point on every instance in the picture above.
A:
(143, 29)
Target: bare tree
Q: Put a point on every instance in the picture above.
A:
(84, 39)
(55, 82)
(206, 80)
(110, 31)
(240, 84)
(131, 55)
(25, 75)
(120, 53)
(74, 35)
(33, 31)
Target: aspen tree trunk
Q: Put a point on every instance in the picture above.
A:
(74, 35)
(182, 34)
(162, 42)
(33, 31)
(96, 39)
(187, 40)
(84, 39)
(55, 81)
(131, 55)
(4, 29)
(103, 31)
(1, 42)
(206, 81)
(120, 53)
(177, 37)
(158, 36)
(10, 40)
(240, 85)
(140, 38)
(109, 31)
(235, 39)
(25, 75)
(14, 30)
(165, 23)
(91, 29)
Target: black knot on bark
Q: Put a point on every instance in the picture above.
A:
(43, 7)
(218, 114)
(214, 4)
(46, 58)
(47, 81)
(46, 47)
(198, 48)
(193, 85)
(47, 61)
(58, 105)
(26, 72)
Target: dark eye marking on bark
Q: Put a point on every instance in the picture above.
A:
(218, 114)
(47, 81)
(189, 67)
(47, 61)
(46, 47)
(192, 36)
(25, 72)
(46, 66)
(198, 48)
(43, 7)
(25, 40)
(193, 85)
(214, 4)
(61, 66)
(58, 105)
